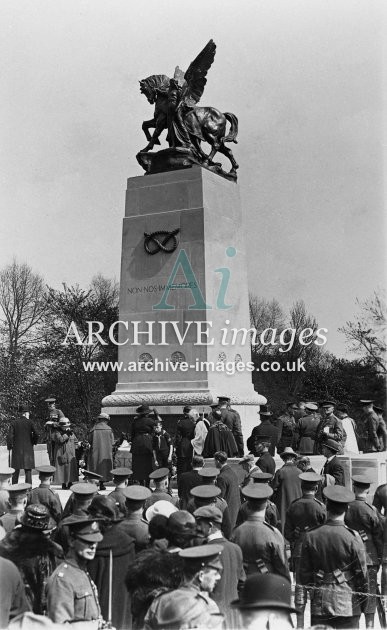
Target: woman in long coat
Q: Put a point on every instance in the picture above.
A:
(142, 444)
(286, 484)
(65, 460)
(101, 440)
(116, 547)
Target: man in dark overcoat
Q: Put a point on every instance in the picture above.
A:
(232, 420)
(228, 483)
(22, 437)
(185, 432)
(332, 471)
(189, 480)
(265, 431)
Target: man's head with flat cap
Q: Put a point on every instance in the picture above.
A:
(208, 520)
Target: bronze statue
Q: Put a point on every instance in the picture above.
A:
(187, 125)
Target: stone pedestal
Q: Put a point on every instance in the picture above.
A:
(178, 308)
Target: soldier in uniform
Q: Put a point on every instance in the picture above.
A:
(286, 483)
(45, 495)
(303, 514)
(71, 594)
(228, 482)
(271, 513)
(134, 524)
(207, 494)
(286, 425)
(209, 524)
(5, 481)
(364, 518)
(54, 415)
(333, 564)
(161, 492)
(77, 505)
(232, 420)
(263, 546)
(81, 492)
(368, 428)
(306, 430)
(328, 427)
(265, 603)
(190, 605)
(121, 481)
(17, 504)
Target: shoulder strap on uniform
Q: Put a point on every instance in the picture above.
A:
(318, 501)
(269, 526)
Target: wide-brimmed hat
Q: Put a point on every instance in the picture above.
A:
(332, 445)
(288, 451)
(64, 422)
(35, 516)
(103, 416)
(166, 508)
(265, 591)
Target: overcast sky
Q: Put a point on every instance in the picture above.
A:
(304, 78)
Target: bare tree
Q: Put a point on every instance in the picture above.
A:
(22, 303)
(367, 335)
(265, 314)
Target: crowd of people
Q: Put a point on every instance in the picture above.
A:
(221, 550)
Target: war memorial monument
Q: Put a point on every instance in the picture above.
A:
(184, 307)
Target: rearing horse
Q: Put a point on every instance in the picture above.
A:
(203, 124)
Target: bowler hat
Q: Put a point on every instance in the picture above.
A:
(265, 591)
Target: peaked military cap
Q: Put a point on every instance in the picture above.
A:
(214, 405)
(362, 480)
(332, 445)
(83, 489)
(205, 555)
(205, 492)
(261, 477)
(366, 402)
(91, 475)
(46, 470)
(6, 471)
(327, 403)
(224, 399)
(265, 591)
(257, 491)
(209, 472)
(159, 473)
(86, 527)
(209, 512)
(311, 406)
(338, 494)
(19, 488)
(143, 409)
(136, 493)
(121, 472)
(310, 477)
(51, 399)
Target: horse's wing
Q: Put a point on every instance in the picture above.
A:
(195, 76)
